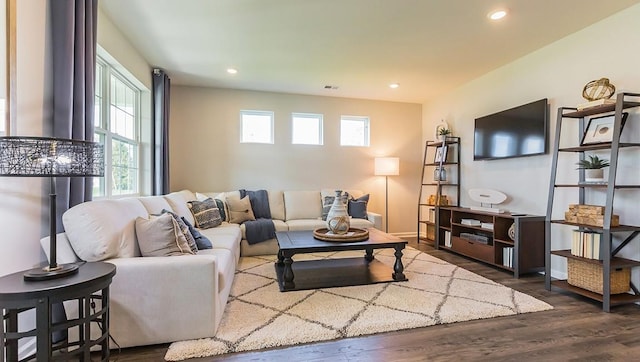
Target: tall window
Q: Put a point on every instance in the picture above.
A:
(117, 125)
(306, 129)
(354, 131)
(256, 127)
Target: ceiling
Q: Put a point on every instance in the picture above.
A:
(358, 46)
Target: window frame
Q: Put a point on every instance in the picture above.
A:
(366, 134)
(249, 112)
(316, 116)
(103, 129)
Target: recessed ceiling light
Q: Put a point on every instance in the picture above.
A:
(497, 14)
(232, 71)
(394, 85)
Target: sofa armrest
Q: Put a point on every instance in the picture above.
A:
(376, 219)
(64, 251)
(163, 299)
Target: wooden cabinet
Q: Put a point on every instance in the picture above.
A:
(556, 242)
(434, 187)
(513, 242)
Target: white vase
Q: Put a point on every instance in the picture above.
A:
(594, 175)
(338, 217)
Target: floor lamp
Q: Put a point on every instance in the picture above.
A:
(387, 166)
(50, 157)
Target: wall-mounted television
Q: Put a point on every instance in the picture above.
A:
(516, 132)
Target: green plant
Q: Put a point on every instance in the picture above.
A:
(444, 132)
(593, 163)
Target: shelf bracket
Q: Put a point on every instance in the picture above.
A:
(625, 242)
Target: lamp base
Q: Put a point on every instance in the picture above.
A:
(48, 273)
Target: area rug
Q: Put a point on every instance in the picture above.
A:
(259, 316)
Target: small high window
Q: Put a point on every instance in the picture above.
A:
(306, 129)
(354, 131)
(256, 127)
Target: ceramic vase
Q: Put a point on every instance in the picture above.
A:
(439, 174)
(338, 216)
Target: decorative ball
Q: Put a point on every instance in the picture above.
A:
(512, 232)
(339, 225)
(598, 89)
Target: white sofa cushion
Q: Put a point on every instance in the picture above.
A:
(178, 202)
(226, 265)
(155, 204)
(302, 205)
(306, 224)
(276, 204)
(104, 229)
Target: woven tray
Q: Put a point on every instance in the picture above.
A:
(354, 234)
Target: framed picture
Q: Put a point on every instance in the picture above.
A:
(600, 129)
(441, 154)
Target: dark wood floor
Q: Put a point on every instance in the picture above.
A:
(576, 330)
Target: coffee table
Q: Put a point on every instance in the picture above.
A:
(338, 272)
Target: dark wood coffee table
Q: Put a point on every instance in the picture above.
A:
(338, 272)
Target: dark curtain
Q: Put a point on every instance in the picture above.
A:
(160, 142)
(73, 44)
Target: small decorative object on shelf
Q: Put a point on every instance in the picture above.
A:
(441, 126)
(600, 129)
(593, 167)
(512, 231)
(487, 199)
(443, 133)
(441, 201)
(440, 155)
(598, 89)
(439, 174)
(338, 217)
(592, 215)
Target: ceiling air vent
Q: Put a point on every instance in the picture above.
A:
(330, 87)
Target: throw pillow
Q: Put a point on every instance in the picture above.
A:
(161, 236)
(327, 202)
(205, 213)
(201, 241)
(240, 210)
(185, 230)
(222, 207)
(357, 208)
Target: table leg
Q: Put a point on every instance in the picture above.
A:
(287, 275)
(280, 258)
(43, 329)
(368, 256)
(11, 344)
(398, 268)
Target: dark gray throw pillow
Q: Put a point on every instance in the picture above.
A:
(205, 213)
(201, 241)
(357, 208)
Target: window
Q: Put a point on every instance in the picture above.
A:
(117, 124)
(306, 129)
(354, 131)
(256, 127)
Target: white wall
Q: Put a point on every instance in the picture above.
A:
(206, 154)
(558, 72)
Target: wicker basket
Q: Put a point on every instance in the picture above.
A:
(588, 276)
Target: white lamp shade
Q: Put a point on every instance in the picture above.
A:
(387, 166)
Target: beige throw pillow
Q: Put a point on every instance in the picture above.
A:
(161, 236)
(240, 210)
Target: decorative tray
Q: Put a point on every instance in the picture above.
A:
(354, 234)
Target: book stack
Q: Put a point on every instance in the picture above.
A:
(586, 244)
(487, 225)
(596, 103)
(507, 256)
(472, 222)
(592, 215)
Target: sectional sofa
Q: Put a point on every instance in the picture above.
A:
(164, 299)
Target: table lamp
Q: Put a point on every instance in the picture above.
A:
(387, 166)
(50, 157)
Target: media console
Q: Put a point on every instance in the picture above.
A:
(513, 242)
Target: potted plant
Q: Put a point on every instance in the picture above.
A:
(593, 168)
(443, 133)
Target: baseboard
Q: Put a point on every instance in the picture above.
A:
(406, 234)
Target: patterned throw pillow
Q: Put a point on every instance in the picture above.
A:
(240, 210)
(185, 230)
(357, 208)
(205, 213)
(161, 236)
(201, 241)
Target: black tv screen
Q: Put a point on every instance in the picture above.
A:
(515, 132)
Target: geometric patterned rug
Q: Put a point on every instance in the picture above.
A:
(259, 316)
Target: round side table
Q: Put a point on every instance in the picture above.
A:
(89, 287)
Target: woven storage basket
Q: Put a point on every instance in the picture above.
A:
(589, 276)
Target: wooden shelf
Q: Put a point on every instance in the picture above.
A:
(440, 184)
(597, 110)
(591, 227)
(616, 299)
(599, 185)
(616, 262)
(600, 146)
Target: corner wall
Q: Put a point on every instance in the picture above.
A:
(557, 72)
(206, 153)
